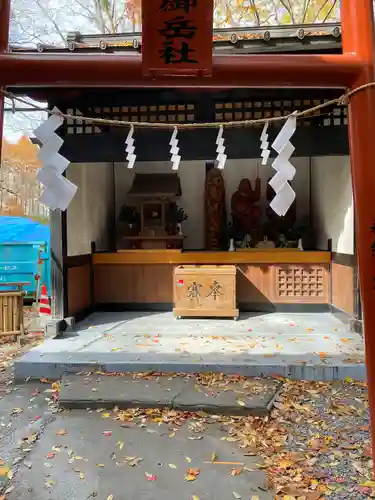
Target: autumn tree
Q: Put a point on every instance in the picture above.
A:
(48, 21)
(19, 188)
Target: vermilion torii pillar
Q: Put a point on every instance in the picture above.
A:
(349, 70)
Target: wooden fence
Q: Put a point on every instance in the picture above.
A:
(11, 310)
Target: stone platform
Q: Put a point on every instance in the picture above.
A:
(309, 346)
(186, 393)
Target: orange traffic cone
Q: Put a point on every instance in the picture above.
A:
(44, 305)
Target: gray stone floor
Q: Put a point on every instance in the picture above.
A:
(301, 346)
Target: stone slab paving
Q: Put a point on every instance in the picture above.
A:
(301, 346)
(91, 460)
(254, 397)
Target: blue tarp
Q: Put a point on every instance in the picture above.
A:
(22, 230)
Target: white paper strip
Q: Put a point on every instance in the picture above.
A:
(283, 200)
(285, 133)
(285, 171)
(58, 192)
(50, 148)
(264, 146)
(277, 181)
(48, 199)
(220, 150)
(130, 148)
(175, 158)
(47, 128)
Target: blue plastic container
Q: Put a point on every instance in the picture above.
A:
(24, 253)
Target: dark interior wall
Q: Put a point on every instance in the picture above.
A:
(153, 145)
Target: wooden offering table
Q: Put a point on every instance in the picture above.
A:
(205, 291)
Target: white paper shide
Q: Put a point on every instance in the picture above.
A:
(58, 191)
(264, 145)
(130, 148)
(285, 171)
(220, 149)
(175, 157)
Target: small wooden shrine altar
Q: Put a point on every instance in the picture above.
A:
(155, 225)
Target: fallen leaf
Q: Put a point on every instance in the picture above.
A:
(172, 434)
(188, 459)
(106, 415)
(10, 475)
(195, 438)
(133, 461)
(49, 483)
(368, 484)
(194, 497)
(213, 457)
(81, 475)
(240, 402)
(172, 466)
(4, 471)
(190, 477)
(50, 455)
(254, 497)
(193, 472)
(61, 432)
(236, 495)
(120, 444)
(150, 477)
(8, 490)
(236, 472)
(107, 433)
(110, 497)
(100, 465)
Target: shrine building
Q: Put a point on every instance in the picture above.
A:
(117, 246)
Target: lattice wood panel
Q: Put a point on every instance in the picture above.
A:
(252, 110)
(309, 283)
(169, 113)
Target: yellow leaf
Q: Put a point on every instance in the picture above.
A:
(110, 497)
(172, 435)
(194, 497)
(81, 475)
(190, 477)
(188, 459)
(4, 471)
(100, 465)
(213, 457)
(106, 415)
(240, 402)
(10, 475)
(120, 444)
(368, 484)
(172, 466)
(254, 497)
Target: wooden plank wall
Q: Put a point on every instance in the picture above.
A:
(343, 271)
(257, 285)
(80, 284)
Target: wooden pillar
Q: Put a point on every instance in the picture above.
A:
(358, 39)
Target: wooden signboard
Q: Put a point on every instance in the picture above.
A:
(177, 37)
(205, 291)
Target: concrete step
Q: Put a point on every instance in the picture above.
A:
(229, 396)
